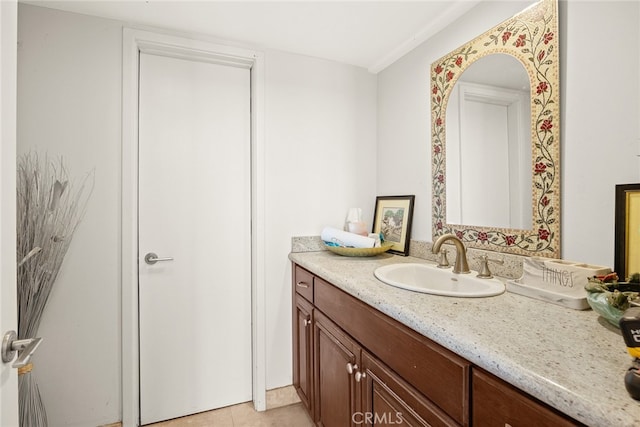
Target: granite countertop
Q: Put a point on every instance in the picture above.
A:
(572, 360)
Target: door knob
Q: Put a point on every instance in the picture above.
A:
(152, 258)
(11, 345)
(351, 368)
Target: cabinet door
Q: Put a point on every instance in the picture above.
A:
(388, 400)
(336, 360)
(303, 351)
(496, 403)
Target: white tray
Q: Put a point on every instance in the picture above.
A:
(576, 302)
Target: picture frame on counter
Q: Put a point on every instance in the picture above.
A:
(627, 230)
(392, 217)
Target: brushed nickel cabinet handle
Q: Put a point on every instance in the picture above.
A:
(302, 284)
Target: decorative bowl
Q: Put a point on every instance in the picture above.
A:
(599, 304)
(360, 252)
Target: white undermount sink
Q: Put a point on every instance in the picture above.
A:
(428, 278)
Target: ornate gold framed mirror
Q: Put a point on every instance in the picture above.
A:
(495, 137)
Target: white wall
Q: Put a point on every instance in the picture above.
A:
(321, 156)
(600, 66)
(69, 105)
(320, 160)
(600, 110)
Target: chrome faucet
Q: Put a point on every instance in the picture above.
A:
(461, 266)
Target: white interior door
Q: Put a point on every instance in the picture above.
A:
(194, 207)
(8, 302)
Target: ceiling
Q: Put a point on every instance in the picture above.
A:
(369, 34)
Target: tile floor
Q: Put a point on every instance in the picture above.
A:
(243, 415)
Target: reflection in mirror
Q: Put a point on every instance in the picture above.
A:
(488, 189)
(488, 145)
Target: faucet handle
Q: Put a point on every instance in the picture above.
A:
(443, 262)
(484, 272)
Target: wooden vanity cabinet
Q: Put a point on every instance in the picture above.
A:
(354, 365)
(367, 367)
(354, 388)
(436, 373)
(497, 403)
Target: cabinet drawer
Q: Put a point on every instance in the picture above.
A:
(394, 401)
(437, 373)
(303, 283)
(496, 403)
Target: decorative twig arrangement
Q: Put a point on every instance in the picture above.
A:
(48, 213)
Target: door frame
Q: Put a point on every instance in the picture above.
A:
(8, 279)
(135, 41)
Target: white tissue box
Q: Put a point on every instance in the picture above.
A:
(555, 280)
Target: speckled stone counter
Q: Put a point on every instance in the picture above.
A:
(572, 360)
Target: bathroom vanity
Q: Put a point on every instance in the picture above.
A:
(368, 353)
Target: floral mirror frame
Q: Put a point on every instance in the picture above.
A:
(532, 38)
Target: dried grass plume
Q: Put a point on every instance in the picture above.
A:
(49, 209)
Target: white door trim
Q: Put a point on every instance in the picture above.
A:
(133, 42)
(8, 288)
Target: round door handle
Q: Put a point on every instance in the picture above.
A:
(12, 345)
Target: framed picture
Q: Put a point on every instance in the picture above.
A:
(392, 217)
(627, 230)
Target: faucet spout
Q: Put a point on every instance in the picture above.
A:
(461, 266)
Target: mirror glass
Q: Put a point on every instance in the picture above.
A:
(488, 145)
(495, 137)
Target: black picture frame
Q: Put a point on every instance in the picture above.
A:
(627, 220)
(392, 217)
